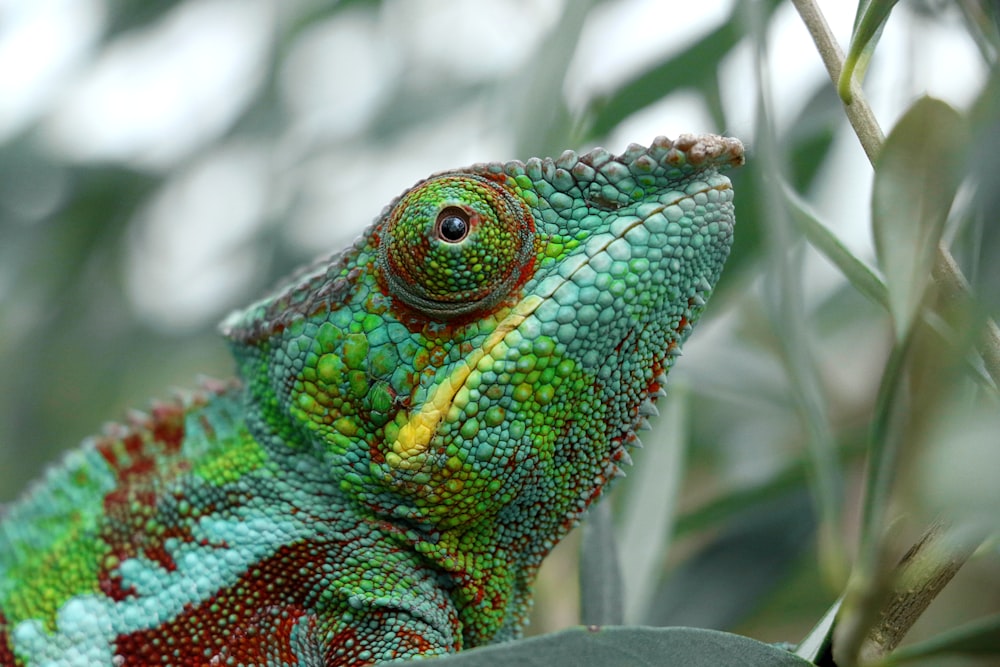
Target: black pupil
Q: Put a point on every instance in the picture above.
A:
(453, 226)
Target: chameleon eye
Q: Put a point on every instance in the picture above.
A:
(455, 245)
(452, 225)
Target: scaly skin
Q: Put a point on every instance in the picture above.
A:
(420, 418)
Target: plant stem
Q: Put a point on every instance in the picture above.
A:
(859, 113)
(918, 578)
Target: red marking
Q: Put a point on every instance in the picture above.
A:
(499, 600)
(438, 358)
(252, 621)
(311, 293)
(145, 459)
(412, 642)
(249, 622)
(6, 652)
(375, 452)
(501, 178)
(207, 427)
(657, 369)
(168, 427)
(418, 322)
(595, 493)
(387, 528)
(320, 309)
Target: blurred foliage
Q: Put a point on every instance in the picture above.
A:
(794, 387)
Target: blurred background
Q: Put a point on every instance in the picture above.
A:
(162, 163)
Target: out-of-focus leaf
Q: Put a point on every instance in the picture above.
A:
(654, 490)
(125, 15)
(67, 263)
(862, 595)
(810, 137)
(983, 246)
(313, 13)
(868, 24)
(808, 145)
(979, 638)
(736, 502)
(916, 177)
(958, 467)
(694, 68)
(820, 237)
(541, 118)
(784, 305)
(730, 576)
(746, 250)
(632, 646)
(724, 508)
(982, 18)
(601, 598)
(816, 646)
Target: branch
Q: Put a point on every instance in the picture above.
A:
(918, 578)
(859, 113)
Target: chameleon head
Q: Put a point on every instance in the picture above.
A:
(479, 359)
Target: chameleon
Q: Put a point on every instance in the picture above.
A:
(417, 420)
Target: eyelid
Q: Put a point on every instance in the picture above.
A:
(453, 212)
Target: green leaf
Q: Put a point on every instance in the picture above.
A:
(692, 68)
(128, 15)
(633, 646)
(720, 584)
(810, 137)
(541, 120)
(979, 638)
(868, 24)
(916, 177)
(735, 501)
(820, 237)
(959, 458)
(601, 597)
(816, 645)
(653, 492)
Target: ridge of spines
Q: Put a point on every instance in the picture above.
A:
(693, 150)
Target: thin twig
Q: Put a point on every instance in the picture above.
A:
(858, 111)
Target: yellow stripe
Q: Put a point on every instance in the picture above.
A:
(415, 436)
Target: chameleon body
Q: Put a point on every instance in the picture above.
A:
(418, 420)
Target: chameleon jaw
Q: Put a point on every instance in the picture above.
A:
(414, 437)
